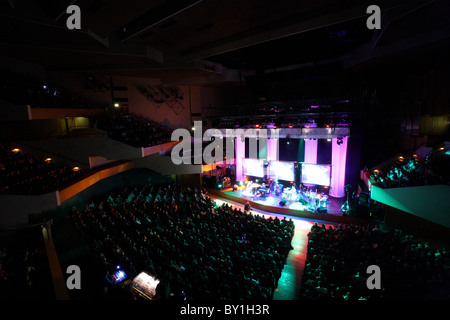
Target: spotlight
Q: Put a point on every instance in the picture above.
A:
(15, 150)
(116, 105)
(75, 169)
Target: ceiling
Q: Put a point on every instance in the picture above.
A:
(207, 41)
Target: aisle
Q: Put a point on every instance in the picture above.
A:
(291, 276)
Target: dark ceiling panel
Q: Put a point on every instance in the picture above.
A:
(171, 35)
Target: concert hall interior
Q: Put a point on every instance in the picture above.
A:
(224, 150)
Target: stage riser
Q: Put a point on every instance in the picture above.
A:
(289, 212)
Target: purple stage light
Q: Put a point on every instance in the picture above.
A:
(240, 154)
(311, 151)
(338, 162)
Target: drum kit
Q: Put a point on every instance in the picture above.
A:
(315, 200)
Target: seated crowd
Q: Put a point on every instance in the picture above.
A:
(198, 250)
(22, 91)
(338, 257)
(24, 269)
(409, 172)
(134, 131)
(22, 173)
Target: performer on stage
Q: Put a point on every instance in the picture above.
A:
(277, 188)
(247, 207)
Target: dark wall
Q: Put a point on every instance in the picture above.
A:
(323, 151)
(353, 164)
(288, 151)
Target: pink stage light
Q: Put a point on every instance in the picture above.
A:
(272, 149)
(311, 151)
(240, 154)
(338, 162)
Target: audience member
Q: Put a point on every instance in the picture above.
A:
(179, 235)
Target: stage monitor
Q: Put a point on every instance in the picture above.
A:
(253, 167)
(318, 174)
(282, 170)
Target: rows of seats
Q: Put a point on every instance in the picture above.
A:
(26, 173)
(338, 259)
(409, 171)
(134, 130)
(197, 249)
(24, 269)
(19, 90)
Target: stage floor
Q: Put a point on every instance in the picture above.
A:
(333, 204)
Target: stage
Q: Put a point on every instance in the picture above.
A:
(271, 205)
(333, 205)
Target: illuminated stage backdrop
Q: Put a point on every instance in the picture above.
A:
(239, 156)
(311, 150)
(282, 170)
(338, 161)
(272, 149)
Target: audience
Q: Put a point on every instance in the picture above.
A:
(22, 91)
(134, 130)
(197, 249)
(338, 257)
(22, 173)
(24, 269)
(409, 172)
